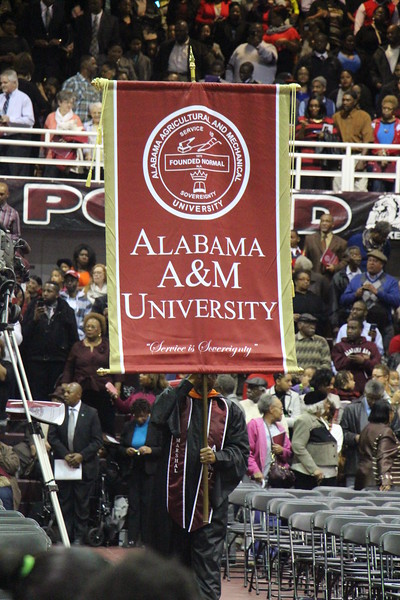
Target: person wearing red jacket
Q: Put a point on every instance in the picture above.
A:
(365, 13)
(355, 354)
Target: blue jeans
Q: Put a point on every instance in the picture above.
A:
(6, 496)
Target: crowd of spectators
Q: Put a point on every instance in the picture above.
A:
(344, 56)
(346, 305)
(346, 317)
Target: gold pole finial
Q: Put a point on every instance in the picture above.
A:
(192, 65)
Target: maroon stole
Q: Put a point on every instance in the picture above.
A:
(178, 467)
(4, 473)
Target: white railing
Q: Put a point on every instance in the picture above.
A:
(40, 140)
(348, 155)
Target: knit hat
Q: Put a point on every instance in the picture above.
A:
(314, 397)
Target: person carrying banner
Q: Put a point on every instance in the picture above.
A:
(177, 523)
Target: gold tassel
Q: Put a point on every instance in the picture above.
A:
(100, 84)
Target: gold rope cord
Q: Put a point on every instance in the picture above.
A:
(292, 135)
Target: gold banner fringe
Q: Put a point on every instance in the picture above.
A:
(100, 84)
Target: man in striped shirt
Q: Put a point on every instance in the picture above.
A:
(9, 218)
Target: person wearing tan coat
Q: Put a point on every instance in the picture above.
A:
(10, 494)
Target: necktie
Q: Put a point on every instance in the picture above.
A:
(6, 103)
(71, 428)
(47, 18)
(94, 44)
(323, 241)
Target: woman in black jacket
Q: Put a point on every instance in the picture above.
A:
(138, 462)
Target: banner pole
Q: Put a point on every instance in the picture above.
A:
(205, 444)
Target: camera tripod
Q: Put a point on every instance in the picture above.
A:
(34, 427)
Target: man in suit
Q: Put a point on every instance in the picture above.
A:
(354, 420)
(231, 32)
(94, 32)
(77, 441)
(326, 243)
(49, 331)
(46, 31)
(385, 59)
(173, 56)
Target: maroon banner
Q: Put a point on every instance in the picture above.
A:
(197, 224)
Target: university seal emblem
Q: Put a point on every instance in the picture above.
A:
(196, 164)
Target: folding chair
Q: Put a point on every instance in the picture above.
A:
(383, 499)
(377, 511)
(347, 502)
(372, 539)
(330, 562)
(27, 541)
(239, 499)
(302, 552)
(6, 514)
(389, 545)
(325, 490)
(284, 511)
(262, 538)
(355, 560)
(320, 541)
(348, 493)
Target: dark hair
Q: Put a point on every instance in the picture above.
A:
(347, 71)
(322, 107)
(59, 574)
(278, 10)
(7, 16)
(299, 272)
(58, 270)
(53, 283)
(345, 32)
(85, 60)
(140, 406)
(360, 302)
(382, 227)
(350, 249)
(145, 576)
(36, 278)
(380, 412)
(24, 64)
(351, 93)
(385, 8)
(278, 376)
(342, 379)
(225, 384)
(158, 382)
(384, 368)
(91, 252)
(321, 377)
(359, 321)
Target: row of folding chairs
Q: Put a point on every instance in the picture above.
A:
(21, 534)
(293, 542)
